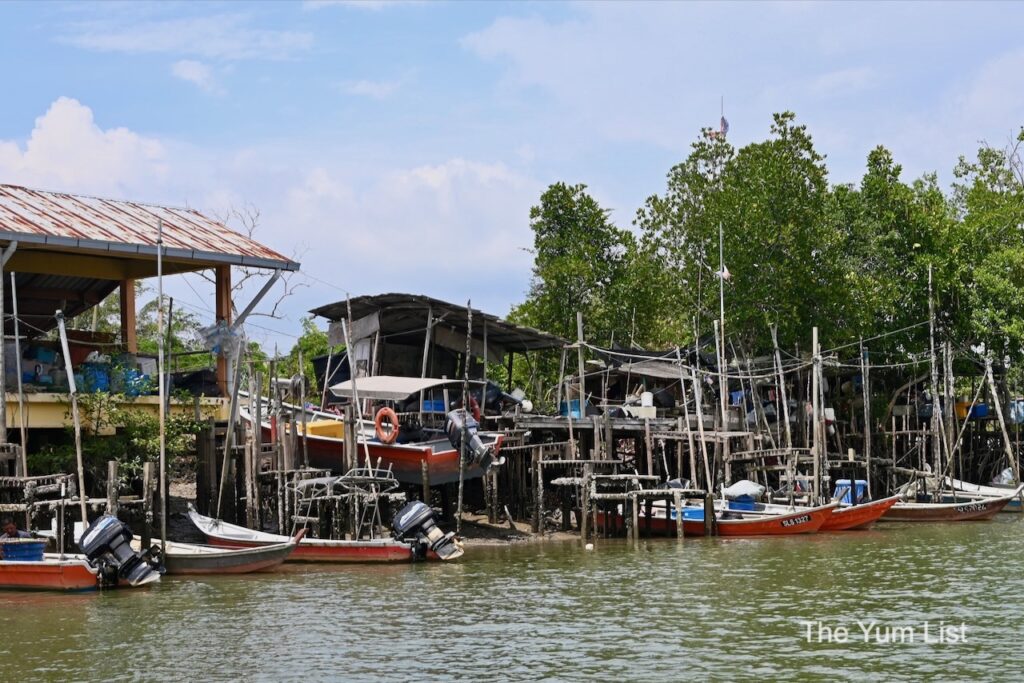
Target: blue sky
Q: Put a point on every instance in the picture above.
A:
(399, 146)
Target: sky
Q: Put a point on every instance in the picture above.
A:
(399, 146)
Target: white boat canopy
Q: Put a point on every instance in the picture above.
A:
(389, 387)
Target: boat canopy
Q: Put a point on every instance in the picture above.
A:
(389, 387)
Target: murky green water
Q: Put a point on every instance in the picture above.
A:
(709, 608)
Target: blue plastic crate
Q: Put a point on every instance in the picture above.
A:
(23, 549)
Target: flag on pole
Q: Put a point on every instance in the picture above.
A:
(724, 273)
(723, 127)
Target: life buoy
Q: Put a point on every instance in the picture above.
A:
(378, 425)
(474, 407)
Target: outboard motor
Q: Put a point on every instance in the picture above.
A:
(460, 422)
(415, 523)
(107, 545)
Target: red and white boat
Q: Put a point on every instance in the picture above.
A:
(860, 516)
(964, 511)
(70, 573)
(324, 436)
(731, 522)
(378, 550)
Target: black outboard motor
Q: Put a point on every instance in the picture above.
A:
(415, 523)
(107, 545)
(460, 422)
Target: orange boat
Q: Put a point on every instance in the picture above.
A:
(732, 522)
(52, 573)
(861, 516)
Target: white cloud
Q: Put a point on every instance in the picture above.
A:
(197, 73)
(377, 90)
(68, 151)
(454, 228)
(217, 36)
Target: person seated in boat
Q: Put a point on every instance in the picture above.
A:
(11, 530)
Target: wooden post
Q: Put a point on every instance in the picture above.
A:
(427, 338)
(425, 477)
(585, 503)
(635, 514)
(865, 368)
(558, 390)
(710, 528)
(112, 488)
(129, 326)
(819, 441)
(782, 386)
(538, 492)
(222, 301)
(147, 503)
(677, 501)
(649, 446)
(997, 404)
(579, 356)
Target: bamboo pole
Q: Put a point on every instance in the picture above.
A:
(465, 412)
(75, 417)
(996, 400)
(579, 356)
(865, 369)
(818, 440)
(686, 417)
(22, 417)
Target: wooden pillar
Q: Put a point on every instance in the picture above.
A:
(222, 298)
(129, 325)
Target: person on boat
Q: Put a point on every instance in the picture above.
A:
(11, 530)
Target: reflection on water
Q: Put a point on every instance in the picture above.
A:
(707, 607)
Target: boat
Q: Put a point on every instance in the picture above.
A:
(107, 561)
(860, 516)
(53, 572)
(189, 558)
(731, 522)
(844, 517)
(377, 550)
(975, 510)
(964, 490)
(324, 436)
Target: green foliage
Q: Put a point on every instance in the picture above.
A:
(852, 260)
(134, 441)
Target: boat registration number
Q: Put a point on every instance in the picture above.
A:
(793, 521)
(973, 507)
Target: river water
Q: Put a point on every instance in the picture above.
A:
(702, 609)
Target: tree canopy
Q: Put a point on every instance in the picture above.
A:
(851, 259)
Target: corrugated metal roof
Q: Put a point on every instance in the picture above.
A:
(118, 227)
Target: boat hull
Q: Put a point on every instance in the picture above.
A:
(404, 460)
(49, 574)
(945, 512)
(858, 516)
(323, 550)
(801, 521)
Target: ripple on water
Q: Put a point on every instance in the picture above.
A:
(705, 608)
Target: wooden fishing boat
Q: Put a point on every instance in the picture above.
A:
(961, 491)
(54, 573)
(188, 558)
(225, 535)
(737, 522)
(324, 436)
(860, 516)
(843, 518)
(981, 509)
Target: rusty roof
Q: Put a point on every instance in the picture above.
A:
(64, 221)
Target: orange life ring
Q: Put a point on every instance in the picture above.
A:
(378, 425)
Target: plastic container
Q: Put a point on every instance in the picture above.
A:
(22, 549)
(843, 486)
(571, 409)
(95, 377)
(433, 405)
(979, 411)
(647, 399)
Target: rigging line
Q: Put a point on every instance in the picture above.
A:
(877, 336)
